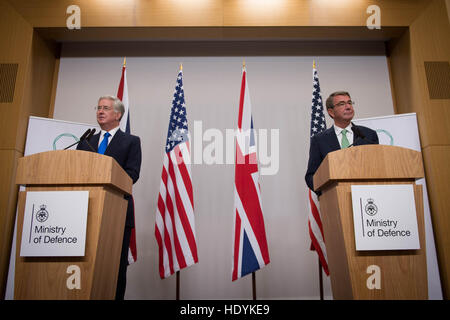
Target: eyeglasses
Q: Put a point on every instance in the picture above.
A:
(343, 103)
(105, 108)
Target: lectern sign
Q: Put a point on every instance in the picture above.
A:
(54, 224)
(384, 217)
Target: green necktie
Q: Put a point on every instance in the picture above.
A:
(345, 143)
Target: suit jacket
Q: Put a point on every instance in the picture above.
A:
(326, 142)
(126, 150)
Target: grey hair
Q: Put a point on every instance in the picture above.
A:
(329, 102)
(117, 104)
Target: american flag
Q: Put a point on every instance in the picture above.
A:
(318, 125)
(250, 251)
(122, 94)
(175, 223)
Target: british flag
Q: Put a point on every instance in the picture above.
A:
(175, 222)
(318, 125)
(122, 94)
(250, 252)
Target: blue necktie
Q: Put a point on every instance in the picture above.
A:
(104, 144)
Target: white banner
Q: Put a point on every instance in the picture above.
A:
(54, 224)
(384, 217)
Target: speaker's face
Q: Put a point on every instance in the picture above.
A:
(342, 112)
(107, 117)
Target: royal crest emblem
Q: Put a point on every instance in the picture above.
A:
(371, 208)
(42, 214)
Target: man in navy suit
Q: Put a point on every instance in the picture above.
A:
(126, 150)
(340, 135)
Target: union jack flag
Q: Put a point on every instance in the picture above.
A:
(250, 251)
(318, 125)
(175, 223)
(122, 94)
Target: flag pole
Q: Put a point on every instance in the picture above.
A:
(253, 273)
(177, 297)
(254, 285)
(178, 272)
(320, 279)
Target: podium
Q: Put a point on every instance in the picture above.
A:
(107, 183)
(403, 272)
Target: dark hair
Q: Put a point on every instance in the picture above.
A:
(329, 102)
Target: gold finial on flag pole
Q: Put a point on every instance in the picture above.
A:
(314, 64)
(243, 63)
(125, 61)
(181, 66)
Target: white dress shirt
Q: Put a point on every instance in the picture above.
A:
(111, 132)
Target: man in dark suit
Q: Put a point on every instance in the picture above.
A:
(126, 150)
(340, 135)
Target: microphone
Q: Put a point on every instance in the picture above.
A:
(89, 137)
(85, 134)
(90, 134)
(357, 132)
(359, 135)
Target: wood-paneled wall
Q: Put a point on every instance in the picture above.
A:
(12, 28)
(426, 41)
(36, 62)
(164, 13)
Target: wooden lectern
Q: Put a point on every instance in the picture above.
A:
(107, 182)
(403, 272)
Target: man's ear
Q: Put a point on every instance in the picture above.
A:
(330, 112)
(118, 116)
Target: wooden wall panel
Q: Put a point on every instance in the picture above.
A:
(102, 13)
(428, 40)
(12, 29)
(438, 176)
(15, 41)
(8, 198)
(51, 109)
(38, 86)
(146, 13)
(35, 58)
(318, 12)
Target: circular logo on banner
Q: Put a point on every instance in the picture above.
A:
(371, 208)
(42, 214)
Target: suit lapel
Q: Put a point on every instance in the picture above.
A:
(332, 140)
(358, 141)
(114, 141)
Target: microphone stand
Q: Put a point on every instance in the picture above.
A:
(87, 135)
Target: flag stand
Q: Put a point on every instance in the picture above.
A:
(254, 285)
(177, 294)
(320, 280)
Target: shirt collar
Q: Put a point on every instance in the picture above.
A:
(338, 130)
(112, 132)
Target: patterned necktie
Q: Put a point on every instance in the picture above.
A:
(104, 144)
(345, 143)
